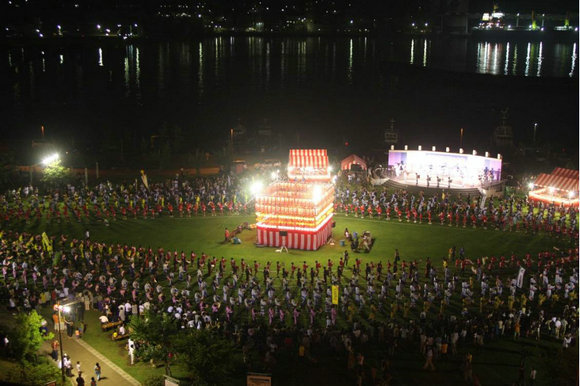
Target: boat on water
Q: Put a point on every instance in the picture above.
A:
(499, 25)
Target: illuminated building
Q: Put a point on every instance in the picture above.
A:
(298, 213)
(444, 169)
(559, 187)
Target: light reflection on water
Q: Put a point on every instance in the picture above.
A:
(195, 72)
(280, 60)
(491, 57)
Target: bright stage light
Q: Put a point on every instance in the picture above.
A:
(256, 187)
(551, 190)
(316, 194)
(570, 194)
(531, 185)
(66, 309)
(274, 175)
(50, 159)
(330, 168)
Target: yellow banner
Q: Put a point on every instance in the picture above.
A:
(334, 294)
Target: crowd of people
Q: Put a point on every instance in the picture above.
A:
(213, 196)
(508, 214)
(284, 306)
(107, 201)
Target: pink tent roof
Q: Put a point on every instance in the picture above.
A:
(346, 163)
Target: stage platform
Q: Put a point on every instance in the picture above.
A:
(490, 189)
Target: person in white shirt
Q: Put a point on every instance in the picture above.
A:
(103, 319)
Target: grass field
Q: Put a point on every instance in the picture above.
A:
(205, 234)
(496, 364)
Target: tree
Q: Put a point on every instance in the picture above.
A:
(38, 374)
(26, 337)
(158, 332)
(208, 357)
(55, 174)
(6, 169)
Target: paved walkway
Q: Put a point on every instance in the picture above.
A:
(79, 350)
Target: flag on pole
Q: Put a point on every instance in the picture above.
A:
(520, 278)
(334, 294)
(144, 179)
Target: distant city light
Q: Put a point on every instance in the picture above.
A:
(98, 26)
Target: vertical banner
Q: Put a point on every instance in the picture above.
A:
(334, 294)
(520, 279)
(144, 179)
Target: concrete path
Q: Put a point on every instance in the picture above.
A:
(79, 350)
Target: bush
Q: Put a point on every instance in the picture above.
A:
(155, 380)
(35, 374)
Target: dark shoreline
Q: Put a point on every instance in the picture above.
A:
(476, 35)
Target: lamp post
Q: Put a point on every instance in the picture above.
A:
(66, 309)
(61, 309)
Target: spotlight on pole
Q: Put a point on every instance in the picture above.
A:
(50, 159)
(256, 187)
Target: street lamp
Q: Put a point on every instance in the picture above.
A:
(66, 309)
(61, 309)
(50, 159)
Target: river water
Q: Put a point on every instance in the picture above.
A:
(309, 91)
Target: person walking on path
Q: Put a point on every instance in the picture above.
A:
(54, 349)
(80, 380)
(98, 371)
